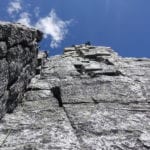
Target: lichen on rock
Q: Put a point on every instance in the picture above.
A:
(89, 98)
(18, 60)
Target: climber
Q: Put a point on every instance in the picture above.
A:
(46, 54)
(88, 43)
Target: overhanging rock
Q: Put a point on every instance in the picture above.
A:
(18, 60)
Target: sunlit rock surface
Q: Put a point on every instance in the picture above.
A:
(87, 99)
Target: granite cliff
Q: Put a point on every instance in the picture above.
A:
(89, 98)
(18, 61)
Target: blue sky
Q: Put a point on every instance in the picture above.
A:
(123, 25)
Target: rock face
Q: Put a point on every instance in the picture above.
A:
(87, 99)
(18, 60)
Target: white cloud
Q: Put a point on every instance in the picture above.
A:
(51, 25)
(54, 27)
(37, 11)
(25, 19)
(14, 7)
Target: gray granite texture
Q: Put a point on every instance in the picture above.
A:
(90, 98)
(18, 61)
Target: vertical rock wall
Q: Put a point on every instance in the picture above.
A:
(18, 60)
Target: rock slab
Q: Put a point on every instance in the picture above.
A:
(90, 98)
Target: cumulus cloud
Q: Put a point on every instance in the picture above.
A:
(14, 7)
(51, 25)
(25, 19)
(54, 27)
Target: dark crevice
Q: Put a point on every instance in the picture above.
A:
(74, 129)
(79, 68)
(139, 59)
(11, 103)
(104, 60)
(77, 103)
(57, 94)
(95, 56)
(107, 62)
(39, 62)
(38, 71)
(3, 57)
(97, 101)
(32, 89)
(115, 73)
(1, 95)
(92, 57)
(11, 82)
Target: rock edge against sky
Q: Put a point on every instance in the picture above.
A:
(89, 98)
